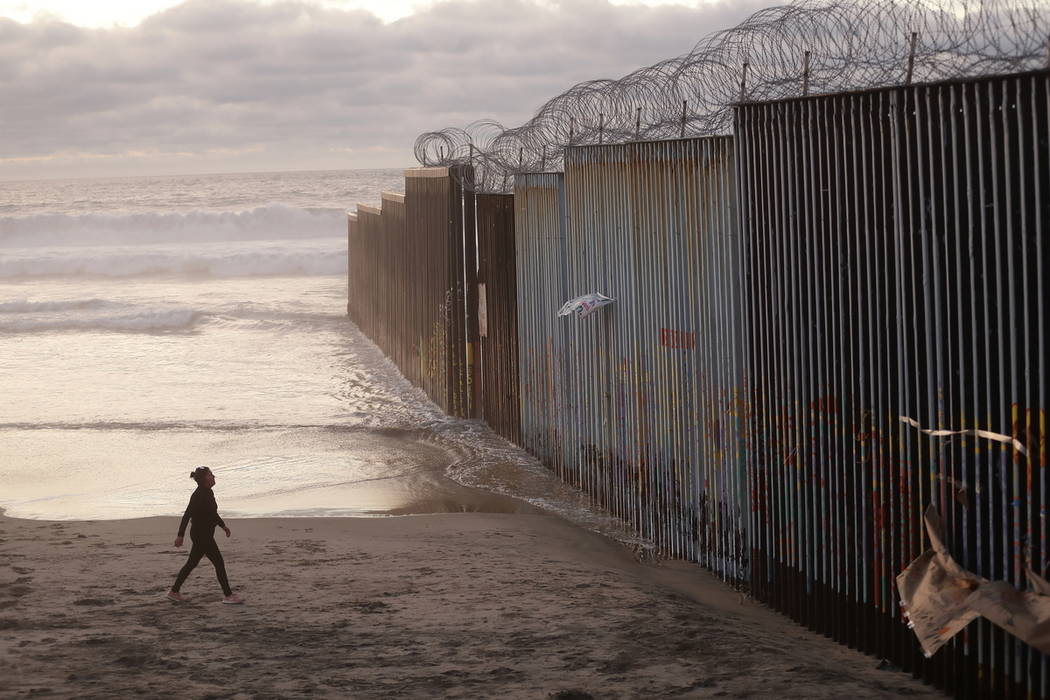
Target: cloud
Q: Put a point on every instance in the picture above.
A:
(296, 85)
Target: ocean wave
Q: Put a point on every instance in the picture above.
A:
(21, 306)
(219, 260)
(37, 316)
(120, 318)
(270, 222)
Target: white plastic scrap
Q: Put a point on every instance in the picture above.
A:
(584, 305)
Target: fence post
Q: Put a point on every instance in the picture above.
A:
(468, 242)
(805, 75)
(601, 127)
(684, 104)
(911, 58)
(743, 81)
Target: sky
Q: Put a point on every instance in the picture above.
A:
(149, 87)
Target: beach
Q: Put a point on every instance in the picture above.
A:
(466, 605)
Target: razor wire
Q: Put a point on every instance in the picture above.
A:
(806, 47)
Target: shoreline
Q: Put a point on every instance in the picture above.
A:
(447, 605)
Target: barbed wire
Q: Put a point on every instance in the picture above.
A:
(806, 47)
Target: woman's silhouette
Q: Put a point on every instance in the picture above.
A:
(204, 514)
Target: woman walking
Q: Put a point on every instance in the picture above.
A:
(204, 513)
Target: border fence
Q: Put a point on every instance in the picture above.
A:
(408, 282)
(497, 384)
(897, 261)
(539, 234)
(822, 325)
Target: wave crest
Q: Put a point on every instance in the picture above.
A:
(270, 222)
(21, 306)
(26, 316)
(94, 314)
(220, 260)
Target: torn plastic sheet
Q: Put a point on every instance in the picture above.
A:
(940, 598)
(584, 305)
(976, 432)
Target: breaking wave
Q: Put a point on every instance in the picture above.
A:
(314, 257)
(24, 306)
(22, 316)
(94, 314)
(270, 222)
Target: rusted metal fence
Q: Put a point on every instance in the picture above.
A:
(897, 261)
(496, 378)
(653, 225)
(756, 397)
(539, 235)
(409, 281)
(640, 404)
(799, 309)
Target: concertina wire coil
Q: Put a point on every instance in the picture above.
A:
(805, 47)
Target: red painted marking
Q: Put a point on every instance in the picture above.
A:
(670, 338)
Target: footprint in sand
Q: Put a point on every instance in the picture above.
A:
(371, 607)
(311, 546)
(571, 695)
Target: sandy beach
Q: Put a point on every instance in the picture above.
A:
(469, 605)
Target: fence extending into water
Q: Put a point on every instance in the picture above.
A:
(408, 282)
(799, 308)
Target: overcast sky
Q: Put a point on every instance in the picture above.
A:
(153, 87)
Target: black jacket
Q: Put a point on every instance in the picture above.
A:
(204, 513)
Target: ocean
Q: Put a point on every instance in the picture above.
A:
(149, 325)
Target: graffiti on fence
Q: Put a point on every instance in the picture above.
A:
(682, 340)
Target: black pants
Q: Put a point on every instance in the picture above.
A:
(204, 547)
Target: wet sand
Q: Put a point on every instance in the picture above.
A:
(468, 605)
